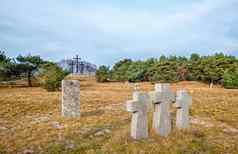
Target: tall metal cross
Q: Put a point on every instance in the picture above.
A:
(77, 63)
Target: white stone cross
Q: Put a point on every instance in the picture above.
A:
(183, 101)
(161, 99)
(70, 98)
(138, 106)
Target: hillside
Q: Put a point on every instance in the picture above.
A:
(30, 121)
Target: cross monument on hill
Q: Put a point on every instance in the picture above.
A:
(77, 63)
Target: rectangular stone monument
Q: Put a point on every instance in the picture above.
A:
(183, 101)
(70, 98)
(138, 107)
(161, 99)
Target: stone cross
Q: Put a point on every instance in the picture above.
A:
(161, 99)
(138, 107)
(183, 101)
(70, 98)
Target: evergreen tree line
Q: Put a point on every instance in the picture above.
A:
(215, 69)
(29, 67)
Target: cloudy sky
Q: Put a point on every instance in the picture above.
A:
(104, 31)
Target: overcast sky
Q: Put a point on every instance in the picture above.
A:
(105, 31)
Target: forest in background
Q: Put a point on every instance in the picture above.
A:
(214, 69)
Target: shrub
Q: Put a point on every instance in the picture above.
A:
(136, 72)
(165, 71)
(50, 76)
(119, 70)
(231, 79)
(103, 74)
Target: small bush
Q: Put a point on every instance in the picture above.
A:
(50, 76)
(231, 79)
(136, 72)
(102, 74)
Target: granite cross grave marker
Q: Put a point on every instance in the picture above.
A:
(183, 101)
(138, 107)
(161, 99)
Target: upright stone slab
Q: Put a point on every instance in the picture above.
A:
(70, 98)
(139, 123)
(161, 99)
(183, 101)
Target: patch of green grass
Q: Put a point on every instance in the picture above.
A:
(81, 145)
(178, 142)
(87, 142)
(2, 149)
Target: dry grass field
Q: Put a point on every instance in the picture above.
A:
(30, 121)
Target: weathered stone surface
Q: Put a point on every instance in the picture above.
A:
(183, 102)
(138, 106)
(71, 98)
(161, 99)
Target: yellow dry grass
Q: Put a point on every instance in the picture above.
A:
(30, 121)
